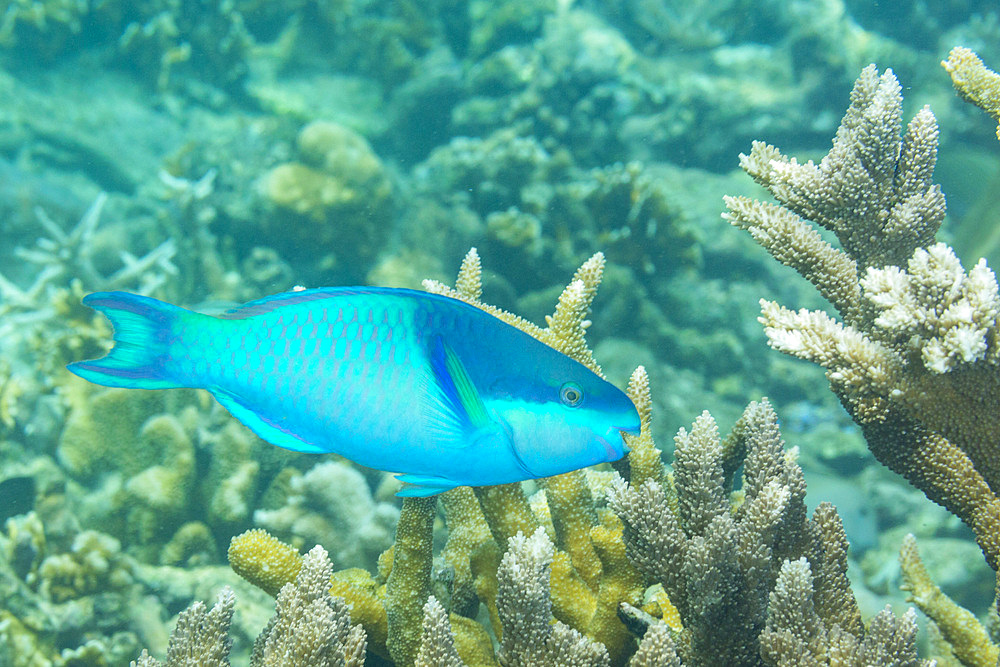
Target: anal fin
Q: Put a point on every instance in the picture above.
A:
(262, 426)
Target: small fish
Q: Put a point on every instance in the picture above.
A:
(437, 391)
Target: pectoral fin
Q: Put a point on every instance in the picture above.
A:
(456, 408)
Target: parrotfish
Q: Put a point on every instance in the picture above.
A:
(435, 390)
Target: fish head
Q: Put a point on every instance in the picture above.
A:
(567, 423)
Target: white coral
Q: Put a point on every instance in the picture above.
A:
(949, 315)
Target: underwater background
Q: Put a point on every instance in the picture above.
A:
(210, 153)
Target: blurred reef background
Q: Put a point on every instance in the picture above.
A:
(209, 153)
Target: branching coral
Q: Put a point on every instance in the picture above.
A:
(916, 360)
(974, 81)
(741, 569)
(759, 583)
(310, 627)
(200, 637)
(590, 574)
(525, 608)
(967, 639)
(796, 635)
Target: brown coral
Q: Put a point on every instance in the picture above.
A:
(916, 360)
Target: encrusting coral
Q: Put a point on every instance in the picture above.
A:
(916, 359)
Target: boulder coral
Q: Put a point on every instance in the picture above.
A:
(337, 195)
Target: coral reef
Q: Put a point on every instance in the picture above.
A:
(309, 627)
(590, 570)
(201, 152)
(740, 567)
(338, 196)
(915, 360)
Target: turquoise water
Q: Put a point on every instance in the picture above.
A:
(213, 153)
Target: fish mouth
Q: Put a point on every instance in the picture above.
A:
(621, 431)
(617, 433)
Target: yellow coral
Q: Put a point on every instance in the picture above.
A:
(621, 583)
(362, 594)
(959, 627)
(974, 81)
(306, 191)
(264, 560)
(409, 581)
(340, 182)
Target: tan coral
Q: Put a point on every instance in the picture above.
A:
(916, 358)
(974, 81)
(967, 638)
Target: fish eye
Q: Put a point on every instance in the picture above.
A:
(571, 394)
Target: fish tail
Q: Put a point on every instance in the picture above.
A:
(144, 328)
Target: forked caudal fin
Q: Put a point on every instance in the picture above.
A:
(143, 332)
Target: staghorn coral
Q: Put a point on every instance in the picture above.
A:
(309, 627)
(967, 639)
(916, 360)
(974, 81)
(525, 607)
(728, 561)
(200, 637)
(796, 634)
(656, 649)
(437, 645)
(61, 254)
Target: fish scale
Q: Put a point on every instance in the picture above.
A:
(429, 387)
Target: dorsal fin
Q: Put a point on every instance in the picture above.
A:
(269, 303)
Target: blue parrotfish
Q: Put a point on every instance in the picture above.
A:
(430, 388)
